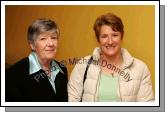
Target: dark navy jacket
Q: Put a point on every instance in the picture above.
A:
(22, 87)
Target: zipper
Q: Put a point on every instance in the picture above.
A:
(97, 85)
(120, 95)
(119, 89)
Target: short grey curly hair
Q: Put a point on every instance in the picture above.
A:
(39, 26)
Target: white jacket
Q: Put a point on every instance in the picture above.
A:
(135, 87)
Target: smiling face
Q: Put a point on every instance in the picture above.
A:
(110, 41)
(45, 45)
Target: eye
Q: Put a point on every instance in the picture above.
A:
(103, 36)
(43, 38)
(54, 37)
(115, 35)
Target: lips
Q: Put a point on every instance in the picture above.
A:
(110, 47)
(50, 50)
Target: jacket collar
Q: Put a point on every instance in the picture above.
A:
(35, 65)
(127, 58)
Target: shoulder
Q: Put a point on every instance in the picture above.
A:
(140, 67)
(141, 64)
(83, 62)
(80, 66)
(62, 66)
(19, 70)
(20, 65)
(133, 63)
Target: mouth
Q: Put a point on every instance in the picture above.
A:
(50, 50)
(110, 47)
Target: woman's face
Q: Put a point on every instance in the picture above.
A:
(45, 45)
(110, 41)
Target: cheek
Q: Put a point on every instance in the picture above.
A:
(56, 45)
(120, 43)
(117, 41)
(39, 46)
(102, 42)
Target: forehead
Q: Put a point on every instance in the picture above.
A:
(107, 28)
(50, 32)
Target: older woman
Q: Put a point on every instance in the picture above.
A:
(38, 77)
(110, 73)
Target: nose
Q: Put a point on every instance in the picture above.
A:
(110, 40)
(49, 42)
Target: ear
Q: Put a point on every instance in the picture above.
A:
(32, 46)
(122, 35)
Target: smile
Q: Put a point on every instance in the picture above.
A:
(110, 47)
(50, 50)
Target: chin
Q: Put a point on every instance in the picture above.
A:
(110, 53)
(50, 56)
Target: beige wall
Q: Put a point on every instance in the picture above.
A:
(77, 36)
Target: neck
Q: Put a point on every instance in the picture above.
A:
(45, 64)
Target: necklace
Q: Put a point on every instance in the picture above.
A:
(112, 73)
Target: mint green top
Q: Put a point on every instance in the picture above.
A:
(108, 86)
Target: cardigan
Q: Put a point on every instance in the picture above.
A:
(22, 87)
